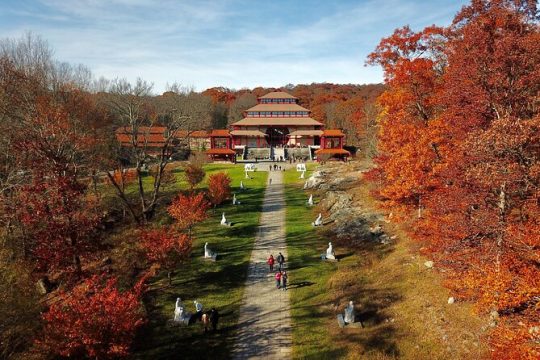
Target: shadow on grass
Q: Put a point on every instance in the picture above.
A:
(332, 285)
(216, 284)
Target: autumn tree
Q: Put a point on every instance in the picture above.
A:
(459, 142)
(95, 320)
(131, 106)
(166, 247)
(219, 188)
(194, 174)
(188, 210)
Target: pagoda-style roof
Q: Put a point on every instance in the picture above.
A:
(250, 133)
(220, 151)
(306, 133)
(277, 95)
(220, 133)
(272, 121)
(277, 107)
(332, 152)
(333, 133)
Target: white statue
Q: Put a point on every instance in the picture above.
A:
(330, 254)
(247, 176)
(224, 221)
(305, 185)
(241, 185)
(302, 175)
(349, 313)
(179, 310)
(198, 306)
(234, 201)
(318, 221)
(310, 200)
(209, 254)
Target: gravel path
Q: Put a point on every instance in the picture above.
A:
(265, 323)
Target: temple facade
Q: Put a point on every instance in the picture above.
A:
(279, 128)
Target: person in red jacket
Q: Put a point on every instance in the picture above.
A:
(278, 279)
(270, 262)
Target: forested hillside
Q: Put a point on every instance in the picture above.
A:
(459, 153)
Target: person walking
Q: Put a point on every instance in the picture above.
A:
(271, 262)
(270, 166)
(278, 279)
(214, 318)
(269, 181)
(284, 279)
(281, 261)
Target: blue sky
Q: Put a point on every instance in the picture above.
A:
(221, 43)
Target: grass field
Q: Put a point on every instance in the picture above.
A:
(215, 284)
(308, 275)
(401, 303)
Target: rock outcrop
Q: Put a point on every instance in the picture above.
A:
(352, 222)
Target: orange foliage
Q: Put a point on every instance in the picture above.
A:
(94, 320)
(166, 248)
(189, 210)
(219, 188)
(459, 143)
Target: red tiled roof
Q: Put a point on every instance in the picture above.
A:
(333, 152)
(193, 134)
(220, 133)
(148, 139)
(255, 133)
(277, 107)
(220, 152)
(142, 130)
(333, 133)
(277, 95)
(256, 121)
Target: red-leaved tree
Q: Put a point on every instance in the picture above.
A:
(166, 247)
(459, 139)
(59, 223)
(95, 320)
(219, 188)
(194, 175)
(188, 210)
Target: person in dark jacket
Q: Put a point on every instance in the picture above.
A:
(281, 261)
(214, 318)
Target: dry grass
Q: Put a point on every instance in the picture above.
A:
(401, 303)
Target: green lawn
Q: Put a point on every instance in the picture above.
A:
(308, 275)
(219, 284)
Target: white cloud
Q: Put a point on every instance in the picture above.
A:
(209, 43)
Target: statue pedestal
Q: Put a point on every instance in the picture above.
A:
(340, 321)
(342, 324)
(213, 257)
(326, 258)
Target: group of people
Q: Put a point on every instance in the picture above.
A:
(281, 275)
(208, 319)
(275, 167)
